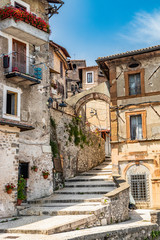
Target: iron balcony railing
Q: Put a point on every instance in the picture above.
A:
(19, 63)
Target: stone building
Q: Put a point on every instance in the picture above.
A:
(24, 92)
(58, 67)
(74, 77)
(135, 120)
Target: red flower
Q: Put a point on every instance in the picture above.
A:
(19, 15)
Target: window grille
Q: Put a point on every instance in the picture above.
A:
(139, 187)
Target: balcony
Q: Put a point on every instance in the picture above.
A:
(21, 73)
(24, 26)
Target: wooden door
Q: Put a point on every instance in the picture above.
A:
(19, 56)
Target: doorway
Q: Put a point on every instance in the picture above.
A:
(23, 171)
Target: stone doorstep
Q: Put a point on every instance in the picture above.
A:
(57, 211)
(50, 225)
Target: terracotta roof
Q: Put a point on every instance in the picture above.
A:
(23, 126)
(129, 53)
(53, 44)
(78, 60)
(55, 1)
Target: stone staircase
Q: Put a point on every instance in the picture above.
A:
(76, 206)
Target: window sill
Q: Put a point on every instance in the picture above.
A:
(135, 141)
(11, 117)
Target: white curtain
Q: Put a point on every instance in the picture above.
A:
(134, 84)
(136, 127)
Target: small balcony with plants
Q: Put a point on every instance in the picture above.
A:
(24, 25)
(19, 69)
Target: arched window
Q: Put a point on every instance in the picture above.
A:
(74, 66)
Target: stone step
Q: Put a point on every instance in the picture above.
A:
(64, 205)
(103, 167)
(96, 173)
(108, 162)
(69, 198)
(95, 190)
(90, 178)
(57, 211)
(46, 224)
(89, 184)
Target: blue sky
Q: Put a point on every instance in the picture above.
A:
(89, 29)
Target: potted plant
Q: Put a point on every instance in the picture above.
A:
(45, 174)
(21, 191)
(34, 168)
(9, 187)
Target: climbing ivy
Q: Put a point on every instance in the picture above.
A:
(155, 234)
(54, 148)
(53, 124)
(53, 142)
(77, 132)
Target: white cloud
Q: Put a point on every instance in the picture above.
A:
(144, 28)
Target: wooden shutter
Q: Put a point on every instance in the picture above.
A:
(19, 56)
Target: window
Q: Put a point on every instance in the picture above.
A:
(138, 187)
(134, 83)
(11, 106)
(19, 6)
(89, 77)
(11, 103)
(19, 56)
(136, 125)
(72, 88)
(74, 66)
(61, 69)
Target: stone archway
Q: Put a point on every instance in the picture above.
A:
(100, 92)
(89, 97)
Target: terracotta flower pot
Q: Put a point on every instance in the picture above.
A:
(19, 202)
(36, 169)
(45, 176)
(9, 191)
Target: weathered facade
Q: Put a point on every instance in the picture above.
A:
(24, 77)
(58, 68)
(135, 120)
(74, 77)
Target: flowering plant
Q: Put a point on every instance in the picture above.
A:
(10, 186)
(46, 172)
(34, 168)
(19, 15)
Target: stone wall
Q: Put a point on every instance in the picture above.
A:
(139, 232)
(117, 199)
(9, 149)
(91, 156)
(74, 157)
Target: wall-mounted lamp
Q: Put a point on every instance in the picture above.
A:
(93, 112)
(62, 104)
(49, 102)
